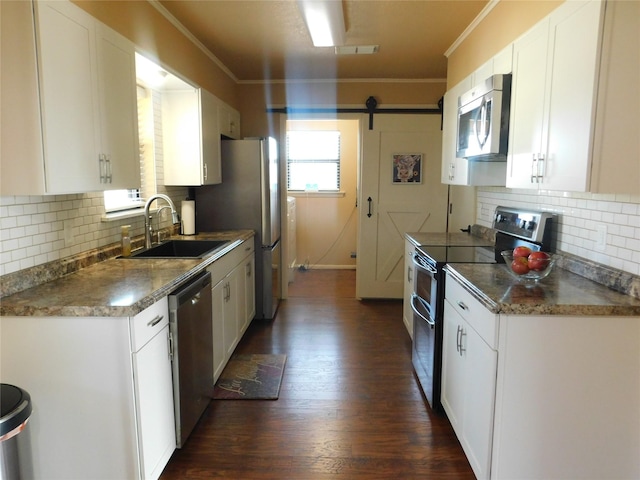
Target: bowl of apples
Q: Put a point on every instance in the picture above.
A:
(527, 265)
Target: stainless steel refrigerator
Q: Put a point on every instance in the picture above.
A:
(249, 198)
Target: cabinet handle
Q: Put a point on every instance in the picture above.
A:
(458, 339)
(205, 171)
(409, 276)
(369, 200)
(170, 341)
(534, 169)
(462, 305)
(155, 321)
(541, 167)
(248, 268)
(462, 334)
(107, 161)
(101, 167)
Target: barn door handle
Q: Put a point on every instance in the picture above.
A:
(369, 200)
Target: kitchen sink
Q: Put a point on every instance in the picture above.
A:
(180, 249)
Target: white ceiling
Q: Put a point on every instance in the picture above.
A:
(260, 40)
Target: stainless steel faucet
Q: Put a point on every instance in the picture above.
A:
(147, 216)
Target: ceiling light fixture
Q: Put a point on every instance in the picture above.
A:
(325, 21)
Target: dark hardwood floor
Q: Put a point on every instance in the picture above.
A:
(349, 405)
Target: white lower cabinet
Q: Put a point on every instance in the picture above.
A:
(468, 388)
(153, 388)
(233, 301)
(101, 392)
(541, 396)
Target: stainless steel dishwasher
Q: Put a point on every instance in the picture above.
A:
(192, 358)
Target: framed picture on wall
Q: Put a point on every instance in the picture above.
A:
(407, 168)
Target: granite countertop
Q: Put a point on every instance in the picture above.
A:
(561, 293)
(117, 287)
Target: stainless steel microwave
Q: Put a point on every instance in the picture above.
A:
(483, 120)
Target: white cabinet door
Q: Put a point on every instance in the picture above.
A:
(118, 106)
(468, 389)
(219, 350)
(191, 137)
(552, 103)
(229, 120)
(154, 404)
(454, 169)
(68, 75)
(576, 34)
(211, 164)
(479, 400)
(249, 291)
(453, 373)
(527, 125)
(407, 312)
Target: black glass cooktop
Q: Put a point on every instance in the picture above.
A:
(442, 254)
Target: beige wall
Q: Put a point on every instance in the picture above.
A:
(327, 225)
(507, 21)
(255, 98)
(154, 35)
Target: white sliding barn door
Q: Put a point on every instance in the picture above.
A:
(389, 208)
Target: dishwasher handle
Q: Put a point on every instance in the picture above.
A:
(190, 292)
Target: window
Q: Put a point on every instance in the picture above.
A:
(313, 160)
(116, 200)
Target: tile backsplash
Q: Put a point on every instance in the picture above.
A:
(582, 219)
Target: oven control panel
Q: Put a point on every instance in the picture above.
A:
(530, 225)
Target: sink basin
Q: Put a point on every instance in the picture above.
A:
(181, 249)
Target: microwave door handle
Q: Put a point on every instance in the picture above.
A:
(482, 113)
(415, 298)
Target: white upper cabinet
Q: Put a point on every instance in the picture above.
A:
(561, 100)
(616, 148)
(229, 121)
(86, 121)
(193, 121)
(191, 139)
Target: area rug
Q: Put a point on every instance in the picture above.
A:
(251, 377)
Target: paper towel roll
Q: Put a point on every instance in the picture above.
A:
(188, 217)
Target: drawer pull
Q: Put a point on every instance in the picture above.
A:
(155, 321)
(462, 305)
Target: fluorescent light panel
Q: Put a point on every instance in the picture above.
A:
(325, 21)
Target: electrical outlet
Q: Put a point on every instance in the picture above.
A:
(601, 237)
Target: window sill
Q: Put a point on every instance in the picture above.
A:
(115, 216)
(318, 194)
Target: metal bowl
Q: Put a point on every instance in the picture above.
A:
(531, 275)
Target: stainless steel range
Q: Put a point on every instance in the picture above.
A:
(513, 227)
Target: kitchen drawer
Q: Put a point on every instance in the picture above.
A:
(222, 266)
(479, 318)
(148, 323)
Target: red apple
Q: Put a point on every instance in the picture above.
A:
(520, 265)
(521, 251)
(539, 261)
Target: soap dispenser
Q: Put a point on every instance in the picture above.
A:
(126, 241)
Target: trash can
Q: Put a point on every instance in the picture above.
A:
(15, 441)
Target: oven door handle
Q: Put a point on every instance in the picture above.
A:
(423, 266)
(415, 298)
